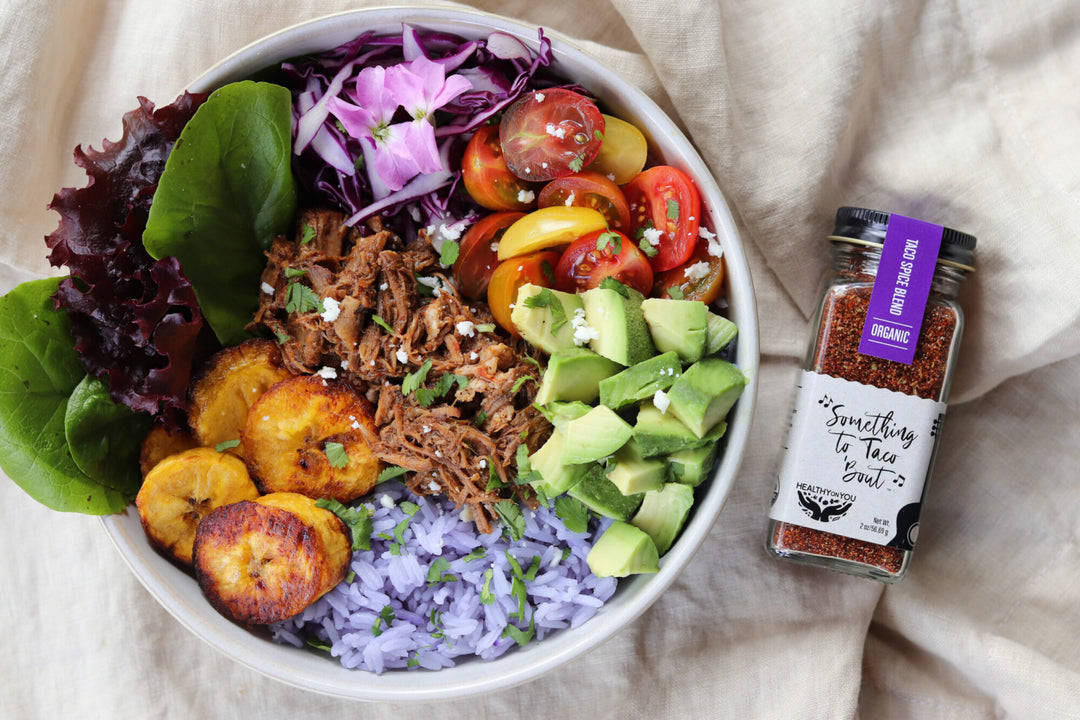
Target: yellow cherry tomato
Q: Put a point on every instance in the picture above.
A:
(549, 227)
(622, 153)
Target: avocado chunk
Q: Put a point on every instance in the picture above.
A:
(574, 374)
(720, 333)
(660, 433)
(704, 393)
(560, 413)
(621, 332)
(633, 473)
(556, 477)
(640, 381)
(693, 465)
(623, 550)
(596, 434)
(601, 496)
(542, 316)
(678, 326)
(663, 513)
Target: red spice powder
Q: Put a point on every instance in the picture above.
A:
(836, 353)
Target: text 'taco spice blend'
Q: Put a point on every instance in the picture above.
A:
(871, 396)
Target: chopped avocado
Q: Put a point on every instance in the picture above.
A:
(721, 331)
(633, 473)
(621, 332)
(663, 513)
(574, 374)
(623, 550)
(560, 413)
(704, 393)
(693, 465)
(660, 433)
(677, 326)
(542, 316)
(601, 496)
(556, 477)
(596, 434)
(640, 381)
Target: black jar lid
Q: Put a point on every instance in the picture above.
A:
(870, 225)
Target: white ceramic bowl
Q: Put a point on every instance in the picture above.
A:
(180, 595)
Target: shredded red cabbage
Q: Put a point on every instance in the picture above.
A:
(135, 320)
(328, 162)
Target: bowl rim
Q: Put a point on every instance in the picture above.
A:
(317, 673)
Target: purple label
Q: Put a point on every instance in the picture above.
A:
(898, 300)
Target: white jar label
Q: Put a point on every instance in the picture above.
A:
(857, 460)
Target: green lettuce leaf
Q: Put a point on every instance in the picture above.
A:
(39, 370)
(226, 192)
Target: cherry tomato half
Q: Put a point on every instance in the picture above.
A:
(547, 228)
(601, 254)
(487, 179)
(537, 268)
(693, 280)
(665, 198)
(623, 153)
(589, 189)
(549, 133)
(479, 253)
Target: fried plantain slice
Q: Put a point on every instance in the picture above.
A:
(226, 387)
(160, 443)
(182, 489)
(262, 561)
(307, 435)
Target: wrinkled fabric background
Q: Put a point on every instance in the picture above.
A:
(960, 112)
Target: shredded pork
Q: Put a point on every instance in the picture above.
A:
(376, 325)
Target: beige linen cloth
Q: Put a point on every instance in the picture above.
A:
(960, 112)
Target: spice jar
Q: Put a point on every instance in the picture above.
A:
(871, 396)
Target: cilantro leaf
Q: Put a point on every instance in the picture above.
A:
(301, 298)
(448, 254)
(573, 513)
(415, 380)
(675, 292)
(611, 283)
(390, 472)
(512, 518)
(673, 210)
(382, 323)
(358, 520)
(547, 299)
(437, 572)
(335, 453)
(227, 445)
(308, 234)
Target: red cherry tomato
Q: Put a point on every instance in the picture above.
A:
(664, 198)
(487, 179)
(550, 133)
(589, 189)
(479, 253)
(601, 254)
(537, 268)
(689, 278)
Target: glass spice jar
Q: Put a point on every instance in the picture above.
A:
(871, 396)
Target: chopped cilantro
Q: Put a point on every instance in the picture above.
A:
(409, 508)
(415, 380)
(573, 513)
(548, 299)
(577, 163)
(598, 135)
(519, 593)
(382, 323)
(486, 596)
(301, 298)
(494, 481)
(673, 210)
(480, 419)
(521, 637)
(512, 518)
(609, 238)
(282, 338)
(611, 283)
(475, 554)
(448, 255)
(675, 292)
(293, 273)
(549, 272)
(227, 445)
(521, 381)
(358, 519)
(387, 617)
(308, 234)
(484, 327)
(648, 248)
(437, 572)
(335, 453)
(390, 472)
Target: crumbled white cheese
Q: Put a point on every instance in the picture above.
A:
(266, 418)
(525, 196)
(268, 288)
(384, 286)
(327, 372)
(438, 453)
(386, 501)
(570, 199)
(555, 131)
(696, 271)
(466, 514)
(539, 97)
(473, 355)
(414, 212)
(661, 400)
(432, 282)
(425, 429)
(466, 328)
(355, 425)
(402, 356)
(556, 558)
(715, 248)
(494, 247)
(434, 486)
(483, 463)
(653, 235)
(583, 332)
(331, 309)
